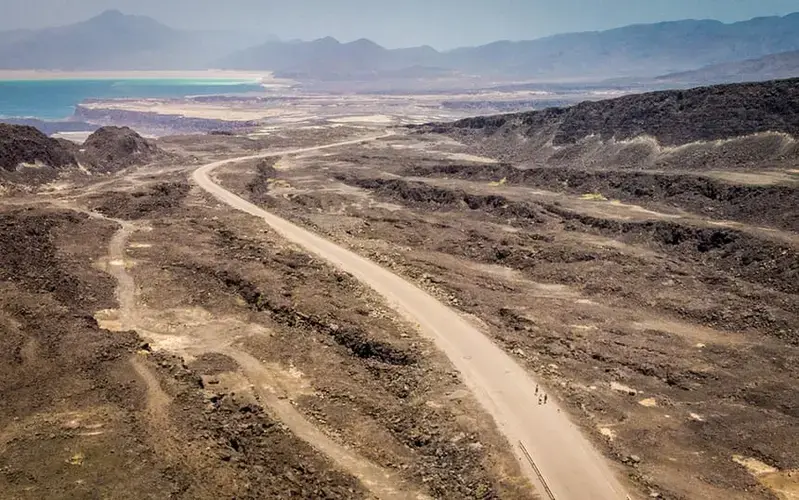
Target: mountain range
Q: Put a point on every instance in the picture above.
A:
(115, 41)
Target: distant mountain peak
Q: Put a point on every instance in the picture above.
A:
(111, 16)
(328, 40)
(111, 13)
(116, 18)
(364, 42)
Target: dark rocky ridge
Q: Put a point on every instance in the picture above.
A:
(673, 117)
(52, 127)
(725, 152)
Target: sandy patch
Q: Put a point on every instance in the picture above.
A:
(108, 319)
(468, 157)
(608, 433)
(186, 108)
(784, 484)
(616, 386)
(76, 137)
(363, 119)
(754, 179)
(693, 333)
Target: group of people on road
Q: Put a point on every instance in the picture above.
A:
(542, 398)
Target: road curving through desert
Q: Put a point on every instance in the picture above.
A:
(557, 458)
(381, 482)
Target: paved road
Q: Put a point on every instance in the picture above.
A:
(570, 467)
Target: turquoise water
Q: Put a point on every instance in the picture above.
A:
(56, 99)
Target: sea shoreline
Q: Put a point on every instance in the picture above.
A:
(55, 97)
(28, 75)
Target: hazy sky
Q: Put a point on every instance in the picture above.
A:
(441, 23)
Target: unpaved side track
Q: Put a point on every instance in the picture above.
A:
(383, 484)
(557, 458)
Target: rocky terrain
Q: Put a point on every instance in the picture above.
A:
(725, 152)
(183, 338)
(30, 158)
(671, 117)
(110, 149)
(651, 286)
(25, 150)
(157, 343)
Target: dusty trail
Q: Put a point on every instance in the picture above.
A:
(126, 289)
(557, 458)
(381, 482)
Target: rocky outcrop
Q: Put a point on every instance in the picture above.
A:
(110, 149)
(28, 157)
(23, 146)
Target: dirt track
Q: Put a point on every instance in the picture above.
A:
(379, 481)
(569, 465)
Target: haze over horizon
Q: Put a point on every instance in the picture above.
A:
(443, 24)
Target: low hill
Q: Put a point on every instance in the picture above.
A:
(110, 149)
(28, 157)
(51, 127)
(22, 146)
(721, 127)
(673, 117)
(775, 66)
